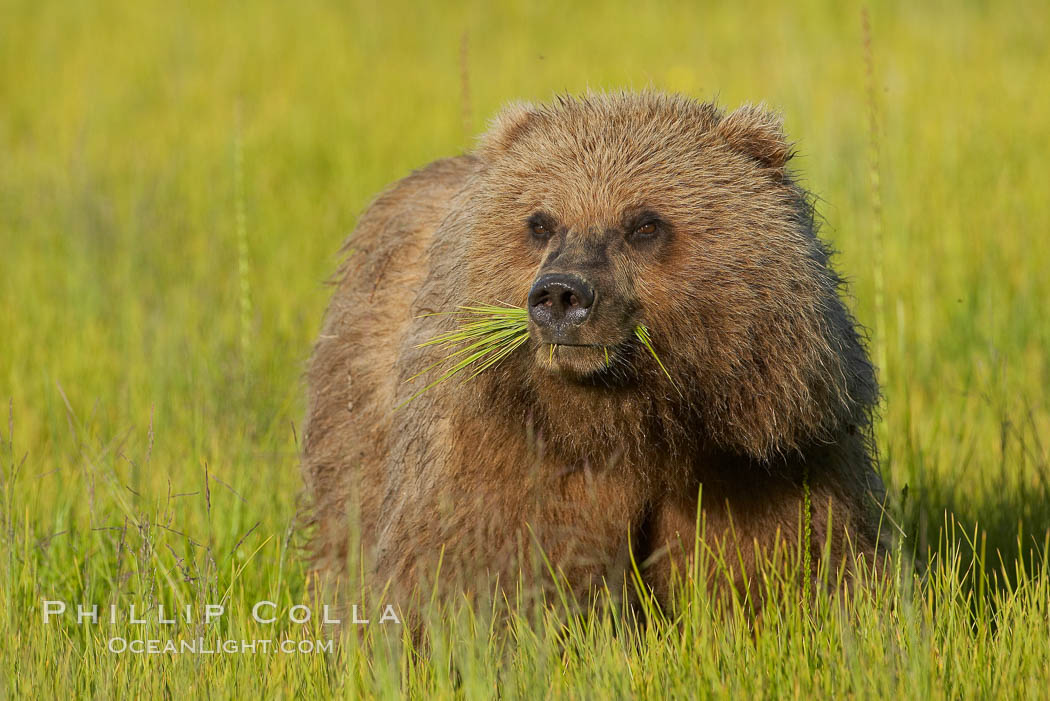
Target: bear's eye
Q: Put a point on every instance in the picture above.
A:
(541, 227)
(645, 231)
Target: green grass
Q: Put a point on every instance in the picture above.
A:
(175, 181)
(642, 334)
(486, 335)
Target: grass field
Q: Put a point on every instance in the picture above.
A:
(175, 181)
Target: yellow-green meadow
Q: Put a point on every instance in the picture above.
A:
(176, 180)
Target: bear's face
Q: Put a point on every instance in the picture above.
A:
(601, 222)
(613, 212)
(590, 287)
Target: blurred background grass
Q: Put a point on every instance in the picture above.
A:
(176, 179)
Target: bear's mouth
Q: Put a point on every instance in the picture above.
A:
(579, 361)
(600, 365)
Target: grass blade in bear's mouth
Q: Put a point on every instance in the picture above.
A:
(642, 333)
(493, 333)
(490, 334)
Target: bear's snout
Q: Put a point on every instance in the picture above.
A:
(559, 301)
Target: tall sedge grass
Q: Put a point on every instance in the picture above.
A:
(875, 186)
(962, 630)
(241, 224)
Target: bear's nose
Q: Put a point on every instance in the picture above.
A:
(559, 299)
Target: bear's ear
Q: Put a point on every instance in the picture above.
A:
(506, 128)
(758, 133)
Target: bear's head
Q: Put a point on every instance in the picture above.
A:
(611, 212)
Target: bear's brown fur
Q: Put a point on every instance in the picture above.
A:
(773, 387)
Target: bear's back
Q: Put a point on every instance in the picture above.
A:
(351, 376)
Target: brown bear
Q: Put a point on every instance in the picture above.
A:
(598, 214)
